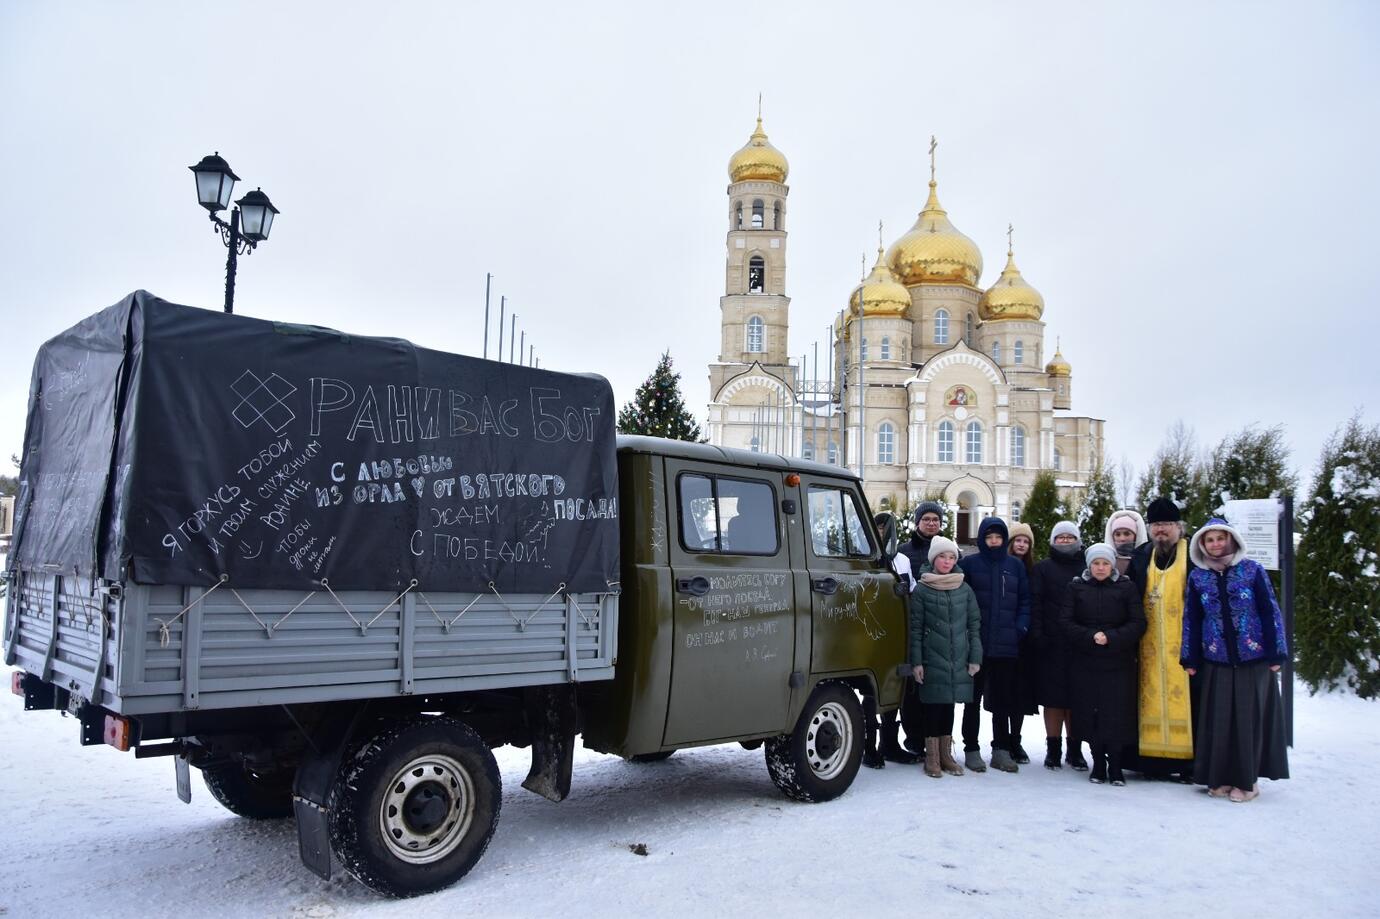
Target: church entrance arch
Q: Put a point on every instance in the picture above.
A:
(968, 498)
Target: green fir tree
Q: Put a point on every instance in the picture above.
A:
(1337, 623)
(1251, 464)
(657, 408)
(1098, 504)
(1043, 509)
(1178, 472)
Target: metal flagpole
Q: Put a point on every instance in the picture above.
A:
(814, 416)
(512, 338)
(522, 349)
(829, 421)
(502, 307)
(531, 355)
(862, 388)
(488, 282)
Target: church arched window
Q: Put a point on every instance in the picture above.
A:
(972, 443)
(968, 328)
(833, 453)
(755, 445)
(758, 214)
(941, 327)
(886, 348)
(886, 443)
(1018, 352)
(862, 349)
(738, 221)
(776, 216)
(807, 450)
(1018, 446)
(1015, 512)
(996, 351)
(944, 442)
(757, 275)
(756, 333)
(1058, 459)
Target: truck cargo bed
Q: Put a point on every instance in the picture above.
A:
(138, 649)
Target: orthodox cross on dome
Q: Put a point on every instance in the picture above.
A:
(864, 266)
(879, 237)
(933, 143)
(1008, 239)
(759, 106)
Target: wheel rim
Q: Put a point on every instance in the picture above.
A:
(427, 809)
(828, 740)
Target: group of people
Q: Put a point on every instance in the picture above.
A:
(1158, 651)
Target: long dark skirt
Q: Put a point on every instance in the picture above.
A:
(1052, 686)
(1240, 727)
(1104, 703)
(1027, 679)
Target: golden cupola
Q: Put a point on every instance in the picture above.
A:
(881, 294)
(1011, 297)
(934, 251)
(758, 160)
(1057, 366)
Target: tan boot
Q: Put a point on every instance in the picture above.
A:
(932, 758)
(946, 756)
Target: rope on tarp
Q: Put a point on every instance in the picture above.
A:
(165, 636)
(445, 626)
(364, 626)
(521, 622)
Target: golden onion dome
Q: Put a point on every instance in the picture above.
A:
(880, 292)
(1011, 297)
(1057, 366)
(758, 159)
(934, 252)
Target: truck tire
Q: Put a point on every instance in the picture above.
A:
(643, 758)
(414, 806)
(820, 758)
(258, 796)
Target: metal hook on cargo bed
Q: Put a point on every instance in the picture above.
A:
(522, 623)
(164, 636)
(445, 626)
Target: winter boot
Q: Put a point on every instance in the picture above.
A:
(1075, 756)
(1098, 776)
(932, 758)
(973, 760)
(891, 742)
(946, 757)
(1018, 752)
(1002, 761)
(1114, 773)
(1053, 752)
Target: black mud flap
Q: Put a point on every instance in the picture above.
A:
(312, 786)
(552, 718)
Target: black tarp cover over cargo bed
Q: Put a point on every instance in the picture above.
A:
(192, 445)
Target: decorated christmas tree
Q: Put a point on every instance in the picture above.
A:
(657, 408)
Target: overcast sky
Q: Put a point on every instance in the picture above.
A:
(1193, 186)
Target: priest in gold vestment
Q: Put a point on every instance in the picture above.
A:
(1167, 694)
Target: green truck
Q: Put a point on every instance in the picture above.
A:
(751, 599)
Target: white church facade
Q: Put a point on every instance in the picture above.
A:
(935, 385)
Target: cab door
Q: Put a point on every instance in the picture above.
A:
(734, 603)
(859, 622)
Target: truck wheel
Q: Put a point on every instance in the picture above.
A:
(818, 761)
(414, 806)
(259, 796)
(659, 757)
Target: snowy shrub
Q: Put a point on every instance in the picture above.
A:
(1337, 627)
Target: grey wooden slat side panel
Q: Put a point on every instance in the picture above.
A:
(172, 648)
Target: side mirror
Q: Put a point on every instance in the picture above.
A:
(886, 531)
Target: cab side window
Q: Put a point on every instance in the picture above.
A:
(726, 515)
(836, 525)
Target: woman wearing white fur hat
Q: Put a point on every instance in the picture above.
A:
(1234, 636)
(1125, 533)
(1103, 619)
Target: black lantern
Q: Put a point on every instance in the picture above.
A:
(214, 182)
(256, 215)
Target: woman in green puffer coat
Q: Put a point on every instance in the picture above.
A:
(945, 651)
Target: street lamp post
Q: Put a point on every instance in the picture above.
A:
(250, 221)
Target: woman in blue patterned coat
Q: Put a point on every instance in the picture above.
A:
(1234, 636)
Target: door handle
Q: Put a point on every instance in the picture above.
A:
(697, 586)
(826, 586)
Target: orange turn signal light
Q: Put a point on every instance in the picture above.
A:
(792, 479)
(117, 732)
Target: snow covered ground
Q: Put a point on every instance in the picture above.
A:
(90, 832)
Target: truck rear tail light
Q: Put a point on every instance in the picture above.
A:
(118, 732)
(17, 682)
